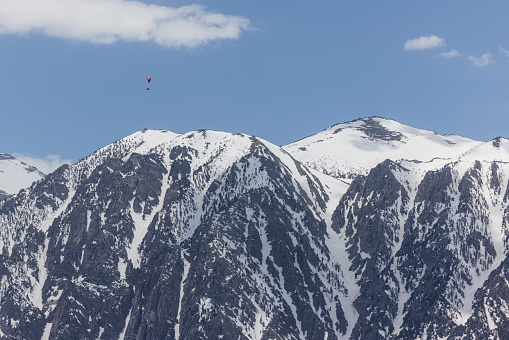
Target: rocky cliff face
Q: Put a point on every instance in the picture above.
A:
(423, 251)
(212, 235)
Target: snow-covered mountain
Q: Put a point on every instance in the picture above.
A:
(428, 247)
(119, 244)
(350, 149)
(214, 235)
(15, 175)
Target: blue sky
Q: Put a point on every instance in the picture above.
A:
(74, 71)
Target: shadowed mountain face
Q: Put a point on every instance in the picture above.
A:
(212, 235)
(3, 194)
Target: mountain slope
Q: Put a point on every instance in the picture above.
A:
(350, 149)
(15, 175)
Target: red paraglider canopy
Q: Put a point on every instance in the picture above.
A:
(149, 79)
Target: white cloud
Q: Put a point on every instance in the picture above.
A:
(46, 164)
(482, 61)
(109, 21)
(424, 43)
(504, 51)
(450, 54)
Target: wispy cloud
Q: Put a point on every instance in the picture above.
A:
(109, 21)
(481, 61)
(424, 43)
(451, 54)
(46, 164)
(504, 51)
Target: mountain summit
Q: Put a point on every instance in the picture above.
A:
(350, 149)
(15, 175)
(216, 235)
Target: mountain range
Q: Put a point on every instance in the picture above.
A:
(367, 230)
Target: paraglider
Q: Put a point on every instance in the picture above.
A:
(149, 79)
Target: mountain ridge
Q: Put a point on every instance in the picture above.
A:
(211, 234)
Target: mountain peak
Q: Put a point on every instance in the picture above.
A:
(348, 149)
(497, 142)
(495, 150)
(16, 175)
(375, 129)
(4, 156)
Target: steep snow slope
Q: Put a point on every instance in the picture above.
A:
(350, 149)
(15, 175)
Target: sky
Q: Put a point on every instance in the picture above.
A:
(74, 71)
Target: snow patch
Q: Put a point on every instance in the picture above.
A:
(205, 308)
(142, 222)
(187, 265)
(122, 266)
(37, 298)
(491, 323)
(47, 331)
(126, 323)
